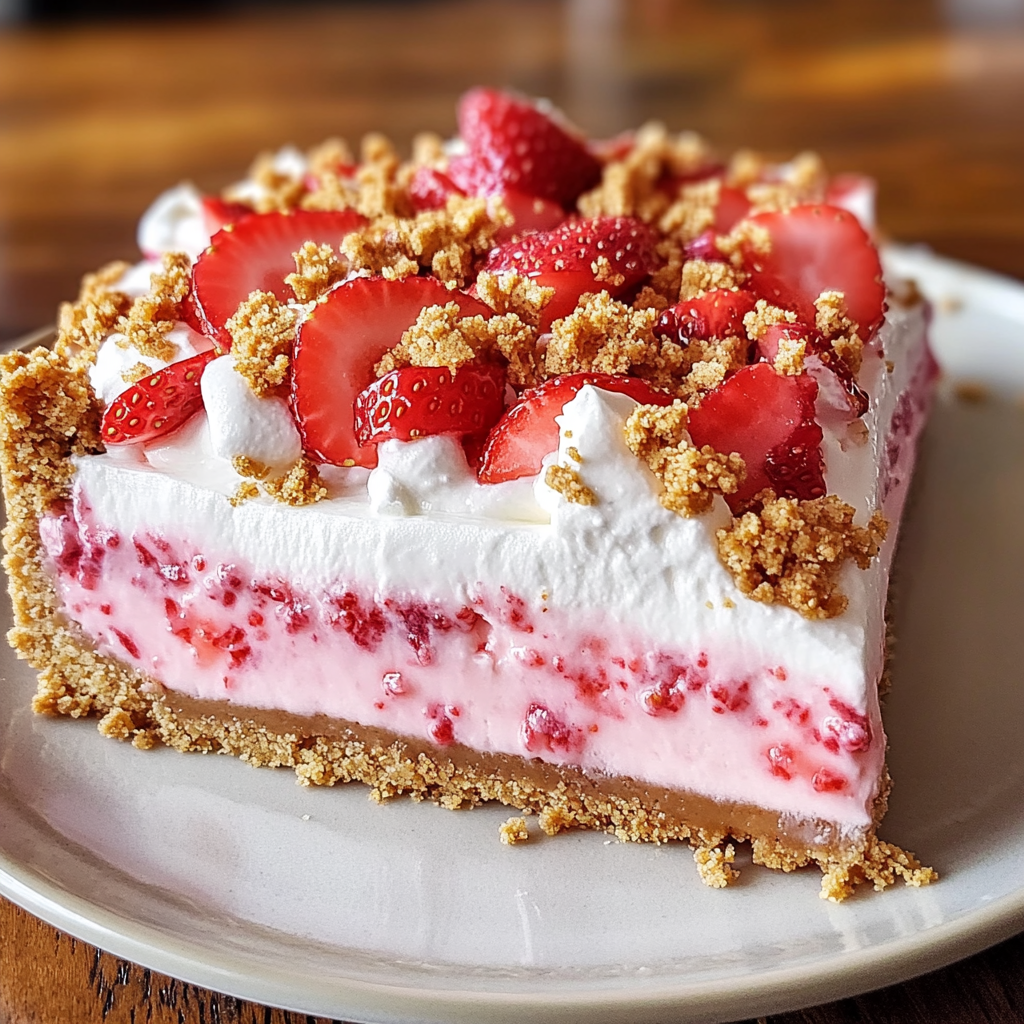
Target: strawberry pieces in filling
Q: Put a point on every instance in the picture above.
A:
(603, 254)
(420, 401)
(768, 419)
(255, 254)
(528, 431)
(157, 404)
(814, 249)
(337, 348)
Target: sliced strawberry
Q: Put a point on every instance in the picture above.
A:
(420, 401)
(821, 359)
(715, 314)
(733, 206)
(856, 193)
(338, 346)
(156, 404)
(218, 213)
(529, 213)
(528, 431)
(814, 249)
(704, 247)
(256, 255)
(514, 143)
(768, 419)
(564, 259)
(430, 189)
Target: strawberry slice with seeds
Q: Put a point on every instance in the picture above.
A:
(157, 404)
(338, 346)
(420, 401)
(255, 254)
(717, 313)
(565, 258)
(768, 419)
(528, 431)
(515, 143)
(814, 249)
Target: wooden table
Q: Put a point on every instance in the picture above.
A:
(926, 95)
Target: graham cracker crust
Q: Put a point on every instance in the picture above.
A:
(48, 413)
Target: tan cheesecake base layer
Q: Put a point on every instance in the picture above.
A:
(48, 414)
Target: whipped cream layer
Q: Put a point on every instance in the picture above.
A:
(504, 617)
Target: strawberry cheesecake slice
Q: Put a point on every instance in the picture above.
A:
(535, 469)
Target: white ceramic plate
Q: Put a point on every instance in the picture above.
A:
(319, 901)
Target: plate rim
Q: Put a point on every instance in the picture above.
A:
(775, 990)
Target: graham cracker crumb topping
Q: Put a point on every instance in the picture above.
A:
(700, 276)
(446, 242)
(151, 317)
(690, 477)
(763, 316)
(789, 360)
(442, 337)
(510, 292)
(837, 328)
(262, 333)
(84, 323)
(792, 551)
(301, 485)
(316, 269)
(136, 372)
(513, 830)
(629, 186)
(566, 481)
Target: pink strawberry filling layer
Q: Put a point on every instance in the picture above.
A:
(496, 674)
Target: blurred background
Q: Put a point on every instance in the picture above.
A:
(102, 107)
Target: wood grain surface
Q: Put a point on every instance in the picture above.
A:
(925, 95)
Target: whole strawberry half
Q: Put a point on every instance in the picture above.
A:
(338, 346)
(528, 431)
(255, 254)
(854, 399)
(768, 419)
(421, 401)
(814, 249)
(514, 143)
(565, 259)
(157, 404)
(717, 313)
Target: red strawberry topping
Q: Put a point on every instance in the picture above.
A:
(514, 143)
(156, 404)
(529, 213)
(338, 346)
(256, 254)
(715, 314)
(849, 396)
(218, 213)
(564, 259)
(430, 189)
(419, 401)
(768, 419)
(733, 206)
(814, 249)
(528, 431)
